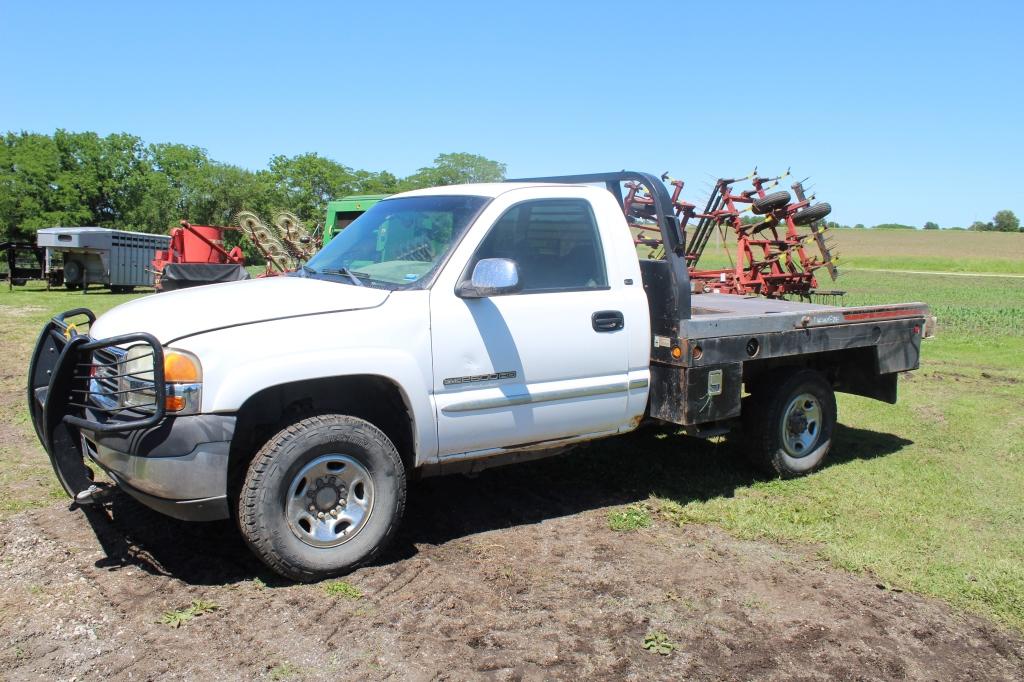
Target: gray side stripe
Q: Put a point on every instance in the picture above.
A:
(526, 398)
(638, 383)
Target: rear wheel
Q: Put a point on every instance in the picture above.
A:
(322, 497)
(788, 423)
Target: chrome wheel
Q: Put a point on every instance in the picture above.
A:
(329, 500)
(801, 425)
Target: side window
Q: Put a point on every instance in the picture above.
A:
(554, 242)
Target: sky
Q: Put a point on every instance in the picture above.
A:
(899, 111)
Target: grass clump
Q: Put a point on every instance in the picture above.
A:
(633, 517)
(283, 671)
(658, 643)
(343, 589)
(178, 617)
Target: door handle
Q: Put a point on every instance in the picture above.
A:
(607, 321)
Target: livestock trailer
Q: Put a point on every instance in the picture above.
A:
(23, 261)
(118, 259)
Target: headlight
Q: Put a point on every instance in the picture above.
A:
(183, 380)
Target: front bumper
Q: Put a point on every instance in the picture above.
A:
(179, 467)
(176, 465)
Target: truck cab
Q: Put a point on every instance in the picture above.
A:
(445, 330)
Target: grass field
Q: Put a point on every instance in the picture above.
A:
(931, 250)
(927, 495)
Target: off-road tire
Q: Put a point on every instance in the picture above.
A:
(812, 213)
(764, 415)
(261, 504)
(770, 202)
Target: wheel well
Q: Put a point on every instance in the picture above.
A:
(374, 398)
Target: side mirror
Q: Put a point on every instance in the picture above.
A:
(491, 277)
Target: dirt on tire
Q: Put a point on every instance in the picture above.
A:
(511, 575)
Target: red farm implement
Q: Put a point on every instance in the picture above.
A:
(197, 255)
(768, 253)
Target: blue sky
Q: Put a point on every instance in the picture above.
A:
(899, 111)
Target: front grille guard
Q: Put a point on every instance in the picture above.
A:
(61, 382)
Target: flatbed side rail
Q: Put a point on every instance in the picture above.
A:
(868, 313)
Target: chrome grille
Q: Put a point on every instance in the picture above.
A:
(104, 389)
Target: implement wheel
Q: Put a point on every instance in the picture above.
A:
(770, 202)
(788, 423)
(812, 213)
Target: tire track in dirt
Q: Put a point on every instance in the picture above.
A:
(481, 587)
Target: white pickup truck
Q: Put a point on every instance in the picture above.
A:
(445, 330)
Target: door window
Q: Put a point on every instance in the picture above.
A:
(554, 242)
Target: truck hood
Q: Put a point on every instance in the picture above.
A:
(174, 314)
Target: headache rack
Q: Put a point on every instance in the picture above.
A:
(77, 380)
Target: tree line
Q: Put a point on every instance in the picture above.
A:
(119, 181)
(1003, 221)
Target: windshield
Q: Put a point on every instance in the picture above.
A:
(397, 242)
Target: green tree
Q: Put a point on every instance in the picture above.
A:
(978, 226)
(118, 181)
(29, 163)
(455, 169)
(1006, 221)
(931, 226)
(306, 182)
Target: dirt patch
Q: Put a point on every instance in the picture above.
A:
(493, 578)
(20, 310)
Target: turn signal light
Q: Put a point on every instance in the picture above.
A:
(181, 368)
(174, 403)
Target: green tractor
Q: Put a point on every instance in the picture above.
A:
(343, 211)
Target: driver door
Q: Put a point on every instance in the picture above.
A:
(541, 364)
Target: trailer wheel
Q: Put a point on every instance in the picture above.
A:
(770, 202)
(812, 213)
(73, 273)
(788, 423)
(322, 497)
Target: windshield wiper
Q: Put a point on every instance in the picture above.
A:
(354, 276)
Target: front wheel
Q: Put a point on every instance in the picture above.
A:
(788, 422)
(322, 497)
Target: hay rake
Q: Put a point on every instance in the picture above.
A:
(284, 245)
